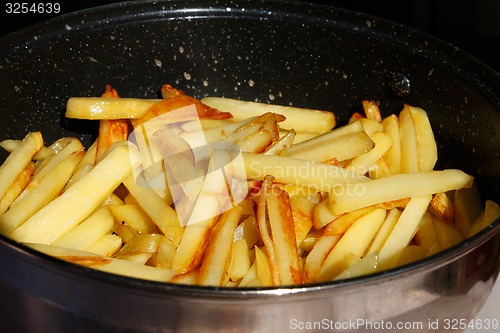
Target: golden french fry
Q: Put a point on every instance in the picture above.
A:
(89, 231)
(78, 202)
(403, 231)
(349, 197)
(342, 223)
(281, 145)
(298, 119)
(317, 176)
(393, 155)
(264, 275)
(135, 218)
(47, 190)
(371, 110)
(409, 149)
(368, 160)
(17, 187)
(64, 147)
(256, 143)
(195, 238)
(342, 148)
(302, 211)
(18, 160)
(250, 277)
(355, 240)
(218, 251)
(248, 231)
(383, 233)
(164, 257)
(107, 107)
(283, 237)
(317, 255)
(322, 215)
(240, 260)
(155, 207)
(371, 126)
(426, 144)
(107, 246)
(326, 137)
(11, 145)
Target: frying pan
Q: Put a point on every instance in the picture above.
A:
(271, 51)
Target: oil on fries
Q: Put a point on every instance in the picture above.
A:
(306, 203)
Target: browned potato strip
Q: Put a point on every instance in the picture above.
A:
(302, 211)
(322, 215)
(218, 252)
(195, 237)
(17, 187)
(18, 160)
(265, 229)
(283, 236)
(442, 207)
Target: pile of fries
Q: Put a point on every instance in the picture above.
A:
(307, 203)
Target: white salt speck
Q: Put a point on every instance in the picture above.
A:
(187, 76)
(271, 97)
(92, 59)
(68, 27)
(228, 9)
(181, 49)
(205, 83)
(251, 83)
(344, 76)
(158, 62)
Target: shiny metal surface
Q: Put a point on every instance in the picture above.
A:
(312, 56)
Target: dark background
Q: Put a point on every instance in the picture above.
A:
(473, 26)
